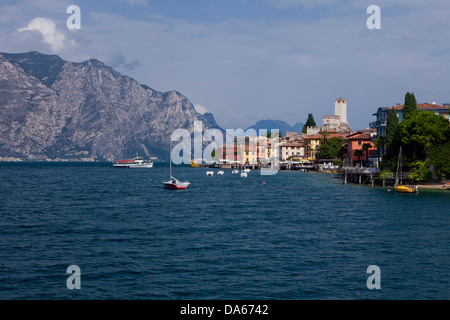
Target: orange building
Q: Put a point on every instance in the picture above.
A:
(355, 142)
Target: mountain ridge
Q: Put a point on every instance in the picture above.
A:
(52, 108)
(281, 125)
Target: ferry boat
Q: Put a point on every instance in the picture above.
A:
(137, 162)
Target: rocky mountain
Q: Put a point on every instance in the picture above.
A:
(281, 125)
(52, 108)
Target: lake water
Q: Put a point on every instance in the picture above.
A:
(294, 235)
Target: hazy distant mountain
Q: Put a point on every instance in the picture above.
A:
(281, 125)
(52, 108)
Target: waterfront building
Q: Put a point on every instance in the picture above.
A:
(312, 143)
(382, 114)
(356, 141)
(295, 150)
(251, 150)
(251, 155)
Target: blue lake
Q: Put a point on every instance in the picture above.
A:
(294, 235)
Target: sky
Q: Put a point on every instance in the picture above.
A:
(247, 60)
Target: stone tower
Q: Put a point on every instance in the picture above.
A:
(340, 109)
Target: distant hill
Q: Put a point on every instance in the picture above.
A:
(52, 108)
(281, 125)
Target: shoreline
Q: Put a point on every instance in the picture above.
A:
(432, 186)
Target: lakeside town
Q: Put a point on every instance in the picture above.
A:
(364, 156)
(409, 142)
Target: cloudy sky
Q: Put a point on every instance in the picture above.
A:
(246, 60)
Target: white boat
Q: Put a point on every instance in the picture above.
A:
(137, 162)
(174, 183)
(209, 173)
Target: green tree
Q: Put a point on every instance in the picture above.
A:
(343, 150)
(332, 148)
(420, 131)
(410, 104)
(420, 171)
(359, 153)
(309, 122)
(365, 148)
(392, 138)
(440, 159)
(324, 137)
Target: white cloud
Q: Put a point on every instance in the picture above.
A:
(51, 36)
(243, 68)
(200, 109)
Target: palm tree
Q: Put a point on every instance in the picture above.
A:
(343, 150)
(380, 143)
(359, 153)
(365, 148)
(324, 137)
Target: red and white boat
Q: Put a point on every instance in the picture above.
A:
(174, 183)
(137, 162)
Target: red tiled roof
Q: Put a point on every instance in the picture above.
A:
(359, 136)
(292, 145)
(329, 136)
(421, 106)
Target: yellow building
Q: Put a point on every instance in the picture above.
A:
(250, 155)
(312, 144)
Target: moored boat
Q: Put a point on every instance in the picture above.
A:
(174, 183)
(406, 189)
(399, 187)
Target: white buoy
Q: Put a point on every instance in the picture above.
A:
(247, 170)
(209, 173)
(235, 171)
(220, 172)
(243, 174)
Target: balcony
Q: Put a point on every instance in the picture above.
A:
(377, 124)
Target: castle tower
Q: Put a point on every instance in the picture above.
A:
(340, 109)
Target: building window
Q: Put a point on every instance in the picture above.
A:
(359, 143)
